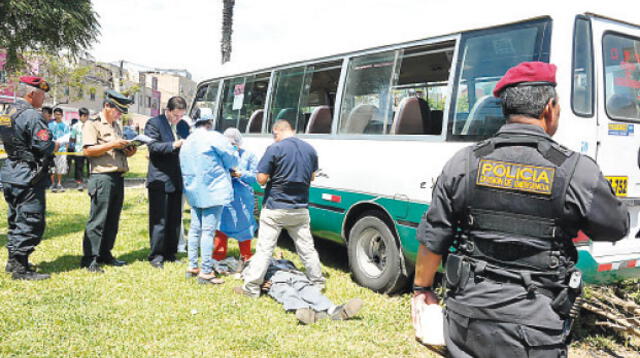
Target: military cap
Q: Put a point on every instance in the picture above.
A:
(34, 81)
(117, 99)
(527, 74)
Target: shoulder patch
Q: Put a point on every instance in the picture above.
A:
(43, 134)
(515, 176)
(5, 120)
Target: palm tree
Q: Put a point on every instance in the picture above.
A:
(227, 29)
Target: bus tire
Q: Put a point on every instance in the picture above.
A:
(374, 256)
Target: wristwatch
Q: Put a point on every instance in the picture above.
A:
(419, 289)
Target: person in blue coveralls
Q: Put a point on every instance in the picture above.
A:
(206, 158)
(238, 219)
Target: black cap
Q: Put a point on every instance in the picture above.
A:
(120, 101)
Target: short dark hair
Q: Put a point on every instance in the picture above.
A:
(199, 124)
(83, 111)
(47, 109)
(74, 121)
(57, 110)
(527, 101)
(176, 102)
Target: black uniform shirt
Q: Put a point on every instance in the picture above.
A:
(590, 206)
(32, 130)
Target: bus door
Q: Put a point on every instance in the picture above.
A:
(617, 59)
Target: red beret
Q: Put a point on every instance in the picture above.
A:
(34, 81)
(527, 73)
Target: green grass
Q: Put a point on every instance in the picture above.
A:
(137, 310)
(138, 164)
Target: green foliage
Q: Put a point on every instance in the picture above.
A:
(46, 25)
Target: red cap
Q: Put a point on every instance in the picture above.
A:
(527, 73)
(34, 81)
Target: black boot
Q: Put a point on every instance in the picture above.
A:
(21, 270)
(12, 264)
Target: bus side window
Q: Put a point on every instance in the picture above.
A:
(366, 106)
(582, 89)
(242, 97)
(421, 92)
(305, 97)
(485, 56)
(621, 76)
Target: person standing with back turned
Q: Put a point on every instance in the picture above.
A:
(289, 166)
(510, 206)
(164, 182)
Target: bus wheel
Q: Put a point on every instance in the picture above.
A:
(374, 256)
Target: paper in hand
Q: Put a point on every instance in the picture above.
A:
(64, 139)
(141, 139)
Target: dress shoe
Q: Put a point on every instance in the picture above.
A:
(113, 262)
(241, 291)
(157, 262)
(307, 315)
(347, 310)
(95, 267)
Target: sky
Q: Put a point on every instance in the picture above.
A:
(186, 34)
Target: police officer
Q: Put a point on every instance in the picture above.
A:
(29, 146)
(510, 206)
(107, 152)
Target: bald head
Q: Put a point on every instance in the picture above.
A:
(282, 129)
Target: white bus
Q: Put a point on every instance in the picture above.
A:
(384, 121)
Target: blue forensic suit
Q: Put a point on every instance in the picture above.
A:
(238, 219)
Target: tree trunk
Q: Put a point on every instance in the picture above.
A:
(227, 29)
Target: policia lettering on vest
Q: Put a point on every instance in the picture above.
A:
(29, 146)
(509, 207)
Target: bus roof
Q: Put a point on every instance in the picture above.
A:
(477, 15)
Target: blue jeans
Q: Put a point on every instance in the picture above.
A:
(204, 223)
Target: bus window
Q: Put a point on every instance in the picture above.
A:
(582, 85)
(421, 93)
(622, 76)
(485, 56)
(242, 97)
(305, 96)
(366, 106)
(206, 98)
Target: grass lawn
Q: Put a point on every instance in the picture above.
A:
(137, 310)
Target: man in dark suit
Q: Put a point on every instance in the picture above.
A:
(164, 182)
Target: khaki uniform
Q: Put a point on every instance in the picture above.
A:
(106, 189)
(97, 132)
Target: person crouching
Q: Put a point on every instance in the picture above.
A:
(205, 159)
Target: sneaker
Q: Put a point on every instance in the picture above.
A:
(60, 188)
(80, 186)
(347, 310)
(54, 189)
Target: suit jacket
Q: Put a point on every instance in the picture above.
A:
(164, 162)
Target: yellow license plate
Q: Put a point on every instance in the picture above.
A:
(619, 185)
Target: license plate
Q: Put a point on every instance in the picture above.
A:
(619, 185)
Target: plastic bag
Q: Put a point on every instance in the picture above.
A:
(428, 321)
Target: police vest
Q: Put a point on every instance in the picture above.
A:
(15, 144)
(513, 229)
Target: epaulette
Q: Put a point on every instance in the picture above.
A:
(94, 119)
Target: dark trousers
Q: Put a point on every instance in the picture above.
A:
(79, 167)
(469, 337)
(26, 218)
(107, 196)
(165, 216)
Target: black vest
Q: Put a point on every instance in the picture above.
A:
(15, 144)
(515, 197)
